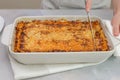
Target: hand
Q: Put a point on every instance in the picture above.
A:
(116, 24)
(88, 5)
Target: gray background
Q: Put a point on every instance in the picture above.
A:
(20, 4)
(109, 70)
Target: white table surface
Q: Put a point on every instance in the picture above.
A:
(109, 70)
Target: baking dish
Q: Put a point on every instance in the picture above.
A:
(56, 57)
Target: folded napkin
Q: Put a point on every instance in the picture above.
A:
(22, 71)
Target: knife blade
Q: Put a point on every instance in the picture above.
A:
(91, 29)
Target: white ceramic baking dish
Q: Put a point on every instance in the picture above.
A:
(55, 57)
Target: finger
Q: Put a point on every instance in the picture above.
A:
(88, 5)
(115, 25)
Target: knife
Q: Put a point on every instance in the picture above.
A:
(91, 27)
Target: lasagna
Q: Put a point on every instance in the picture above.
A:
(59, 36)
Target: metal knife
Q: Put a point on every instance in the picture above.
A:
(91, 28)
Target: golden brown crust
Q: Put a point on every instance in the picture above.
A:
(58, 36)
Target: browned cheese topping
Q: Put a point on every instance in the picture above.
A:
(58, 36)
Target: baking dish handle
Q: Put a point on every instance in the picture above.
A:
(115, 40)
(6, 35)
(1, 23)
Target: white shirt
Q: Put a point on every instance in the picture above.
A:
(74, 4)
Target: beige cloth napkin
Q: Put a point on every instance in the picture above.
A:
(22, 71)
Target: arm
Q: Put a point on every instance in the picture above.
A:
(116, 17)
